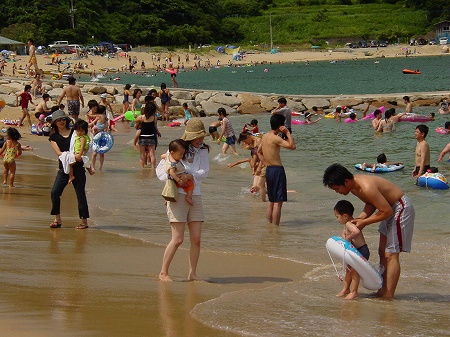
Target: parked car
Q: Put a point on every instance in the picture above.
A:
(382, 43)
(58, 44)
(351, 45)
(432, 42)
(363, 44)
(374, 43)
(422, 41)
(443, 40)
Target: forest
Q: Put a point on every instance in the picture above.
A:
(179, 23)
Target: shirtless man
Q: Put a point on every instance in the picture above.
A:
(422, 151)
(42, 107)
(408, 107)
(33, 60)
(394, 210)
(74, 97)
(269, 154)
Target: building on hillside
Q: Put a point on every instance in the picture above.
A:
(443, 29)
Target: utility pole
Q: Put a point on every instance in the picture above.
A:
(271, 38)
(72, 14)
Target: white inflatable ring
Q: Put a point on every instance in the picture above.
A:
(102, 142)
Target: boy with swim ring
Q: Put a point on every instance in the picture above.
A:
(344, 214)
(381, 163)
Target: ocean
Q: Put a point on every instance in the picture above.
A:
(363, 76)
(128, 213)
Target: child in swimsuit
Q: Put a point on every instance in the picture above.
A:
(381, 163)
(175, 168)
(81, 146)
(10, 150)
(344, 214)
(99, 124)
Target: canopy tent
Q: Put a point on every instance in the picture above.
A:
(6, 41)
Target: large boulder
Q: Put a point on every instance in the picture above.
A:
(111, 90)
(10, 100)
(248, 108)
(347, 101)
(11, 88)
(225, 99)
(210, 108)
(97, 90)
(247, 98)
(186, 95)
(203, 96)
(55, 92)
(267, 103)
(318, 102)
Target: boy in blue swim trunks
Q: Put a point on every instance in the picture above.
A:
(269, 154)
(344, 215)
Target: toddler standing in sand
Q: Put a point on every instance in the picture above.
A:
(344, 214)
(175, 168)
(10, 150)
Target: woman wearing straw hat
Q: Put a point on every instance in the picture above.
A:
(180, 213)
(60, 139)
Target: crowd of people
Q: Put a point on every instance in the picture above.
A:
(186, 165)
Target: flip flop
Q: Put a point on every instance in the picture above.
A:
(55, 224)
(81, 226)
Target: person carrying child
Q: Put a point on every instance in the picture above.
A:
(10, 150)
(80, 148)
(381, 163)
(344, 214)
(175, 168)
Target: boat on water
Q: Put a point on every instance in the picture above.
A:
(411, 72)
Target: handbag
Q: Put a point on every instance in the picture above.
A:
(170, 191)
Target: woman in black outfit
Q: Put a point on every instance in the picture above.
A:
(60, 140)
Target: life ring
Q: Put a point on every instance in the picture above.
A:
(102, 142)
(372, 114)
(129, 116)
(414, 118)
(298, 122)
(433, 180)
(390, 168)
(345, 252)
(174, 124)
(349, 120)
(172, 71)
(442, 130)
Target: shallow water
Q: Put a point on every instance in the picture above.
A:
(315, 78)
(125, 202)
(235, 224)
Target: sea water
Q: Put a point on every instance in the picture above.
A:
(126, 201)
(363, 76)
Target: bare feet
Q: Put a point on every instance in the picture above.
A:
(91, 171)
(165, 277)
(351, 296)
(193, 277)
(189, 200)
(343, 293)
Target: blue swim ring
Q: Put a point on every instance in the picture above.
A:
(102, 142)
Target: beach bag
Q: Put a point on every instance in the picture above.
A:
(170, 191)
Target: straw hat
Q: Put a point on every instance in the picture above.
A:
(194, 129)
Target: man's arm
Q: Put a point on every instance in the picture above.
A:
(62, 96)
(444, 151)
(289, 142)
(81, 97)
(375, 201)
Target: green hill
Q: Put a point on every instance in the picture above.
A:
(178, 23)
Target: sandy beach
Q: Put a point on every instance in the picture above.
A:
(98, 64)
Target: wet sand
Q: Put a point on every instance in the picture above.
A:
(68, 282)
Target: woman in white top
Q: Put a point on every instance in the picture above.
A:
(180, 213)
